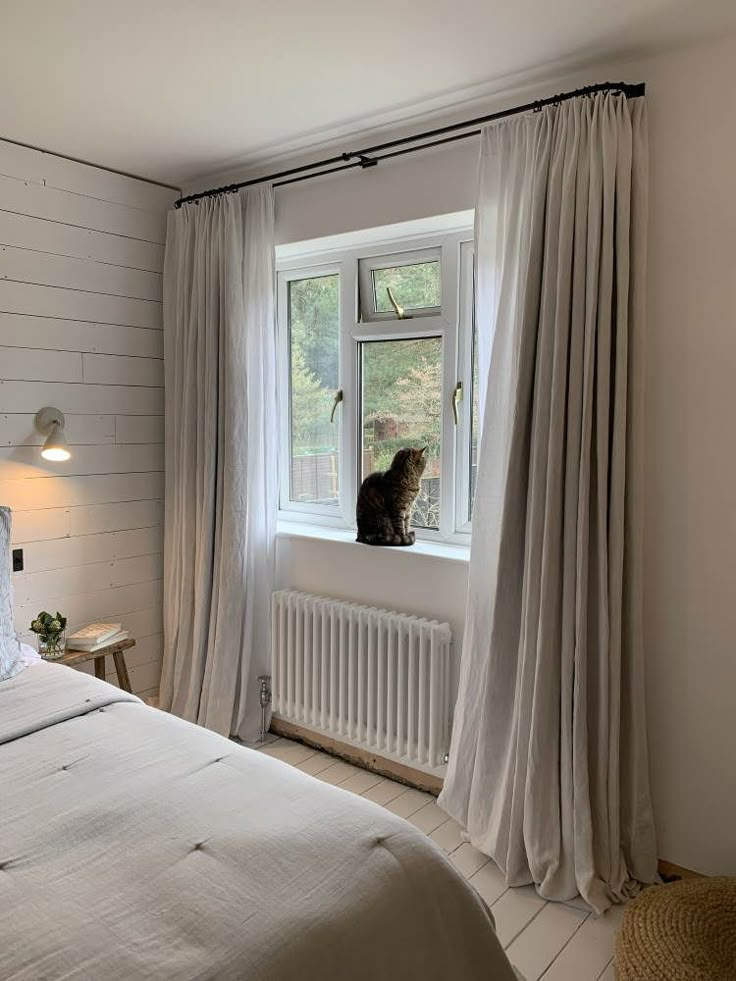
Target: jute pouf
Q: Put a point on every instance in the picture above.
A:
(684, 931)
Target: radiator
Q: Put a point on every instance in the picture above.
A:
(370, 678)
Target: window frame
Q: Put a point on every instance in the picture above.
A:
(466, 355)
(447, 324)
(367, 265)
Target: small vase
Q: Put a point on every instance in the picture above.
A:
(52, 646)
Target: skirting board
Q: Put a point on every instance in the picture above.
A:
(669, 871)
(360, 757)
(408, 775)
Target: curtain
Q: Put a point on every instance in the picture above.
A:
(548, 766)
(221, 459)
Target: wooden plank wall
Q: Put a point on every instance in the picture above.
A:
(81, 257)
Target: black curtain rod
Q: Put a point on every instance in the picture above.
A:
(364, 158)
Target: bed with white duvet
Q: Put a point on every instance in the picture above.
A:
(134, 845)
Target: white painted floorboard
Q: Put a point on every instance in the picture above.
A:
(545, 941)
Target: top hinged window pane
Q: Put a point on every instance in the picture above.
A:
(403, 286)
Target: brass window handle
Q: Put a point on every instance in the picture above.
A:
(398, 309)
(337, 400)
(457, 396)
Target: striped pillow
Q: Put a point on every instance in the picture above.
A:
(11, 657)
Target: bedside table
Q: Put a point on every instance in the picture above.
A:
(71, 657)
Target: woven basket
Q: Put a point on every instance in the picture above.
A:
(684, 931)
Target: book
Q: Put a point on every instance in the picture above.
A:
(93, 633)
(91, 648)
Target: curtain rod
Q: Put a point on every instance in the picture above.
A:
(411, 144)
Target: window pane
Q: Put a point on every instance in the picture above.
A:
(414, 287)
(314, 324)
(402, 406)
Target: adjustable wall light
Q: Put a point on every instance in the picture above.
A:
(50, 423)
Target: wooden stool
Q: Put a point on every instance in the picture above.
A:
(71, 657)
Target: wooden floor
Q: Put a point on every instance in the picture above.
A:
(549, 941)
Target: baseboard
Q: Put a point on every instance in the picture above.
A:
(410, 776)
(360, 757)
(669, 871)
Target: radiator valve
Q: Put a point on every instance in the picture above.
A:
(264, 697)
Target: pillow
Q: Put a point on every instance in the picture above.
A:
(12, 661)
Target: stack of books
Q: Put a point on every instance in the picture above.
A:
(95, 636)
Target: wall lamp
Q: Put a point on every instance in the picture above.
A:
(50, 423)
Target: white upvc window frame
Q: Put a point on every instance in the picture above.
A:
(366, 293)
(447, 323)
(466, 354)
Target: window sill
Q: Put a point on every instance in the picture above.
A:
(323, 533)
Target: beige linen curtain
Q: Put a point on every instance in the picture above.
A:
(548, 766)
(221, 459)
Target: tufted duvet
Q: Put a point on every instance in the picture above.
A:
(137, 846)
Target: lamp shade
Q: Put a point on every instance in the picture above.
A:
(56, 447)
(50, 422)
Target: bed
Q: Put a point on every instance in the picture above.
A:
(134, 845)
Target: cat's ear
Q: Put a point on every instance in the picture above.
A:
(424, 450)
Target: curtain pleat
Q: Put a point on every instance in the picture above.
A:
(548, 766)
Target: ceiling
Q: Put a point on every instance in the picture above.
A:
(173, 89)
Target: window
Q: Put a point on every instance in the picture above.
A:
(314, 335)
(377, 353)
(396, 285)
(401, 405)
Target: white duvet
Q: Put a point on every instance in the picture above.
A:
(136, 846)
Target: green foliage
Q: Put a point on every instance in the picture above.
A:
(419, 395)
(314, 322)
(311, 405)
(402, 384)
(413, 286)
(314, 315)
(48, 626)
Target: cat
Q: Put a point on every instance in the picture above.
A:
(385, 500)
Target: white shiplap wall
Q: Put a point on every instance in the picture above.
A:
(81, 255)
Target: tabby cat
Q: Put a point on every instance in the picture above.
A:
(385, 500)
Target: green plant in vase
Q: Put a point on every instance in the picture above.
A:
(49, 629)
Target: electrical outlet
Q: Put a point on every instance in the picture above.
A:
(17, 560)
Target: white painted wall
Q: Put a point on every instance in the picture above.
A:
(81, 255)
(690, 477)
(690, 589)
(395, 580)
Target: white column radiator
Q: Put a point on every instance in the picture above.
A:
(368, 677)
